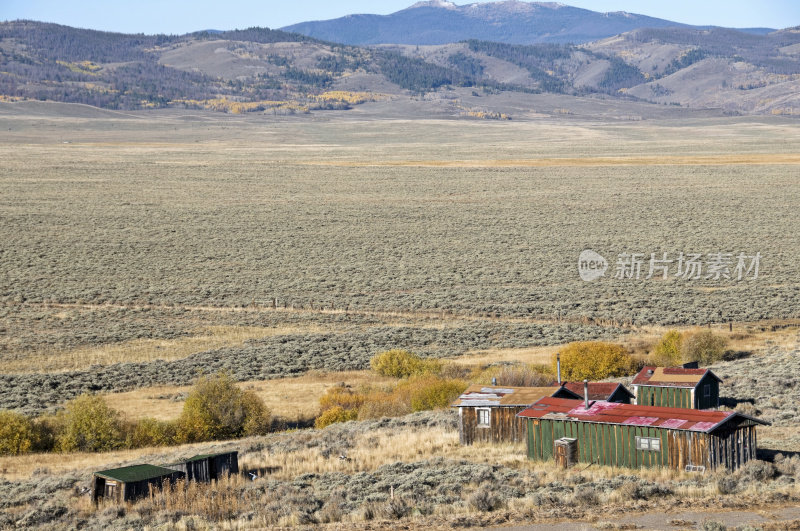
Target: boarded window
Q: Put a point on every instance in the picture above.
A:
(484, 418)
(707, 390)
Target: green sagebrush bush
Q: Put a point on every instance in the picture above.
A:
(217, 409)
(593, 360)
(17, 434)
(90, 425)
(400, 363)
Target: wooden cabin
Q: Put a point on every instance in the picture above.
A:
(208, 467)
(489, 413)
(609, 392)
(628, 435)
(131, 482)
(677, 387)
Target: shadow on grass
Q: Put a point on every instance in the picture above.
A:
(731, 402)
(768, 454)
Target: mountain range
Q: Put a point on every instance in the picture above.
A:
(281, 72)
(508, 21)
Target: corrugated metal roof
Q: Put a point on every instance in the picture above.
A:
(597, 390)
(487, 395)
(136, 473)
(627, 414)
(671, 376)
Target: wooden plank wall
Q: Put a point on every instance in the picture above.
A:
(732, 449)
(505, 426)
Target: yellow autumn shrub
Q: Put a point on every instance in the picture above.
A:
(593, 360)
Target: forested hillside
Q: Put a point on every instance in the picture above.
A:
(263, 70)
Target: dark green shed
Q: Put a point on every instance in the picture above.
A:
(208, 467)
(676, 387)
(634, 436)
(130, 482)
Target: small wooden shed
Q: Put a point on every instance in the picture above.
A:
(208, 467)
(489, 413)
(610, 392)
(131, 482)
(676, 387)
(634, 436)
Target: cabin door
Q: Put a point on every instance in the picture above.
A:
(110, 490)
(561, 456)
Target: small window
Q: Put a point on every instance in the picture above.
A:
(648, 444)
(484, 418)
(707, 390)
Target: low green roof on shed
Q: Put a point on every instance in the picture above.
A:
(127, 474)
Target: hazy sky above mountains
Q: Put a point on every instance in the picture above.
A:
(182, 16)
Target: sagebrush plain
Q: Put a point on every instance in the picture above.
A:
(138, 250)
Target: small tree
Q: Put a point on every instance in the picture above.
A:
(429, 392)
(89, 425)
(152, 432)
(342, 396)
(668, 350)
(594, 360)
(217, 409)
(703, 346)
(334, 415)
(16, 433)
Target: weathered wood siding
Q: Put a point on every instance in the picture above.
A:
(504, 425)
(615, 445)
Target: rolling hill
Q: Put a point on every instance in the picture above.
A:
(278, 72)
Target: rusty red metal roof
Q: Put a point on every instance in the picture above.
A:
(597, 390)
(602, 412)
(672, 377)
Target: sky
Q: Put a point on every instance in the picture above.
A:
(183, 16)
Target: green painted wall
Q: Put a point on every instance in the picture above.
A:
(664, 396)
(604, 444)
(679, 397)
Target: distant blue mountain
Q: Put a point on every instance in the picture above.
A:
(510, 21)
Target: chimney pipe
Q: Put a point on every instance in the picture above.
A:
(586, 394)
(494, 381)
(558, 366)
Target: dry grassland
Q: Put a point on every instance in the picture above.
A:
(145, 350)
(699, 160)
(292, 399)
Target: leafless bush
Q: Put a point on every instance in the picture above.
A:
(394, 509)
(712, 525)
(757, 470)
(485, 500)
(522, 376)
(727, 485)
(788, 466)
(586, 495)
